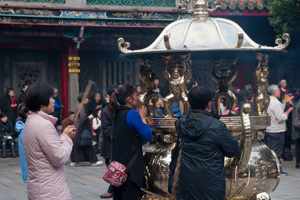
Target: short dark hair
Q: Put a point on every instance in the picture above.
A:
(70, 113)
(111, 89)
(8, 91)
(22, 111)
(38, 94)
(189, 83)
(199, 97)
(2, 114)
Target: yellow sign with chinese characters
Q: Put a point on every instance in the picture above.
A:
(74, 71)
(74, 64)
(74, 58)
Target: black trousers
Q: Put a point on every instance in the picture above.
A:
(297, 150)
(5, 141)
(128, 191)
(276, 142)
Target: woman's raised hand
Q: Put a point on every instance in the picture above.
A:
(143, 112)
(70, 131)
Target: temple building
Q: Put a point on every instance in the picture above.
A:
(68, 42)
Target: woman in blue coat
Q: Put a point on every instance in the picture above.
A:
(205, 141)
(23, 113)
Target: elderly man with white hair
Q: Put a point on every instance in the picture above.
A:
(276, 130)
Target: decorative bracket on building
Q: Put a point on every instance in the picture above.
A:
(80, 37)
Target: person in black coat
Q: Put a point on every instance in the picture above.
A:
(106, 120)
(129, 130)
(205, 141)
(82, 124)
(6, 135)
(21, 97)
(95, 104)
(9, 106)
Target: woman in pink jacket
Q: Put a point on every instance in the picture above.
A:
(45, 151)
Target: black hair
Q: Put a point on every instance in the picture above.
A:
(199, 97)
(38, 94)
(97, 93)
(111, 89)
(135, 88)
(118, 98)
(70, 113)
(156, 78)
(8, 91)
(2, 114)
(22, 111)
(97, 110)
(24, 85)
(189, 83)
(248, 95)
(157, 97)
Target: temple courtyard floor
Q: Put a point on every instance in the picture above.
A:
(85, 181)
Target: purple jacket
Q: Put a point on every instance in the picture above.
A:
(46, 154)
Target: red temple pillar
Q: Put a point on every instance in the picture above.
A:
(64, 77)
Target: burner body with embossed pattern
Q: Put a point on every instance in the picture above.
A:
(254, 172)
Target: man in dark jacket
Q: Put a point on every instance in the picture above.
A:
(106, 119)
(9, 107)
(205, 141)
(95, 104)
(21, 97)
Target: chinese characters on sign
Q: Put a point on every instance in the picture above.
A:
(74, 64)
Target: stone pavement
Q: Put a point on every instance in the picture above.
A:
(85, 182)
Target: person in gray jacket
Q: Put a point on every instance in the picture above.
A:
(277, 129)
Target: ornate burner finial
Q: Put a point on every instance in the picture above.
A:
(199, 9)
(287, 39)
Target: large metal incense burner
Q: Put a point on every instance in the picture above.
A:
(254, 172)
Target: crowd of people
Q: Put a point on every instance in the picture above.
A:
(91, 130)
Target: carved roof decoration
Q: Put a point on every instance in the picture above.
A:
(240, 4)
